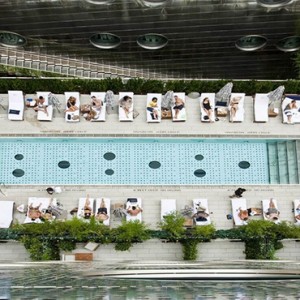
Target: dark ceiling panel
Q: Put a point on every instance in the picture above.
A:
(201, 34)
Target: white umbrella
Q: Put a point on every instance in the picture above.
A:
(167, 99)
(223, 95)
(275, 96)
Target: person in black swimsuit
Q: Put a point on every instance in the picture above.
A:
(208, 109)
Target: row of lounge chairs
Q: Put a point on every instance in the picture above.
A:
(38, 210)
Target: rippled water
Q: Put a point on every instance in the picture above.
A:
(69, 281)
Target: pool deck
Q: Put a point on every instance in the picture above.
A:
(218, 196)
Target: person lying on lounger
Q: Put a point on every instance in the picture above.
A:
(201, 215)
(244, 214)
(41, 105)
(71, 104)
(208, 109)
(179, 105)
(272, 213)
(34, 212)
(102, 212)
(289, 110)
(87, 211)
(153, 108)
(134, 210)
(126, 104)
(234, 107)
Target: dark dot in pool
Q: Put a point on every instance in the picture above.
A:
(244, 164)
(109, 172)
(154, 164)
(64, 164)
(199, 157)
(19, 156)
(109, 156)
(18, 173)
(199, 173)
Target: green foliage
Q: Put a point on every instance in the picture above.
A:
(172, 225)
(128, 233)
(190, 249)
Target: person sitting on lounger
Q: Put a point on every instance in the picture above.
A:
(102, 212)
(201, 215)
(34, 212)
(134, 210)
(289, 110)
(126, 104)
(208, 109)
(179, 105)
(297, 213)
(153, 108)
(87, 210)
(244, 214)
(272, 212)
(233, 107)
(41, 105)
(71, 104)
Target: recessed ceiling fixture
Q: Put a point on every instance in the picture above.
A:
(105, 40)
(11, 39)
(154, 3)
(274, 3)
(251, 42)
(152, 41)
(100, 2)
(289, 44)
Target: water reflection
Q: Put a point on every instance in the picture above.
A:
(68, 281)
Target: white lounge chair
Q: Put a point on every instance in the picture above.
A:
(202, 205)
(268, 212)
(137, 202)
(179, 114)
(6, 213)
(41, 115)
(203, 111)
(16, 105)
(107, 206)
(294, 113)
(167, 207)
(126, 108)
(38, 203)
(261, 108)
(236, 107)
(100, 113)
(297, 210)
(72, 116)
(238, 204)
(153, 112)
(81, 214)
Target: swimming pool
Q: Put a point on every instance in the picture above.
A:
(99, 161)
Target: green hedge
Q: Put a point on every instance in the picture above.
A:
(142, 86)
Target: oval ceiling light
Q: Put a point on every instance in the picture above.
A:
(100, 2)
(289, 44)
(152, 41)
(274, 3)
(154, 3)
(251, 42)
(11, 39)
(105, 40)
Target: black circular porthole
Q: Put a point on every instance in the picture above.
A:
(244, 164)
(105, 40)
(289, 44)
(251, 42)
(19, 156)
(109, 156)
(199, 173)
(152, 41)
(11, 39)
(199, 157)
(64, 164)
(154, 164)
(18, 173)
(274, 3)
(109, 172)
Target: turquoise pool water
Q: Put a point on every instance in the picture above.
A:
(132, 161)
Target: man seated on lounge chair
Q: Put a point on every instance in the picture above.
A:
(272, 213)
(134, 210)
(244, 214)
(234, 107)
(102, 212)
(179, 105)
(34, 212)
(201, 215)
(87, 211)
(41, 105)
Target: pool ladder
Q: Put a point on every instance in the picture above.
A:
(2, 185)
